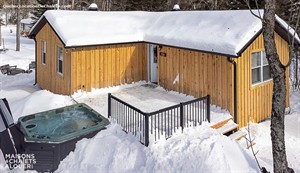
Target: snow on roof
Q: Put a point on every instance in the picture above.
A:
(222, 32)
(27, 21)
(93, 5)
(288, 28)
(176, 7)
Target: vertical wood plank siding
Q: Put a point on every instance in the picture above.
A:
(105, 66)
(197, 74)
(202, 73)
(47, 76)
(255, 102)
(190, 72)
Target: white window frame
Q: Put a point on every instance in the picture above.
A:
(60, 58)
(44, 50)
(261, 67)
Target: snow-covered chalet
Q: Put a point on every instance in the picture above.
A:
(220, 53)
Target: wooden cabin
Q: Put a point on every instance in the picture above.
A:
(220, 53)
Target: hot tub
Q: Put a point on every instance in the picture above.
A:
(50, 136)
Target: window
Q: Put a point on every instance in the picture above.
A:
(44, 52)
(60, 60)
(260, 67)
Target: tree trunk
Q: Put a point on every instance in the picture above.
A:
(280, 164)
(296, 85)
(18, 28)
(0, 33)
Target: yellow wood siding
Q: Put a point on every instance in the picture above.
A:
(105, 66)
(255, 101)
(202, 73)
(199, 74)
(47, 76)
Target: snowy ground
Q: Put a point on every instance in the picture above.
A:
(199, 149)
(292, 137)
(22, 58)
(146, 97)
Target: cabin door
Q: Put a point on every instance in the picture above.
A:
(153, 67)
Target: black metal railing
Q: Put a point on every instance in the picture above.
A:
(165, 122)
(161, 123)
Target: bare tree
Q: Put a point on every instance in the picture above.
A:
(277, 70)
(1, 23)
(18, 28)
(294, 20)
(289, 10)
(106, 5)
(296, 76)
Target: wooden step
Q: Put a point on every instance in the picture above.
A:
(229, 126)
(221, 123)
(238, 135)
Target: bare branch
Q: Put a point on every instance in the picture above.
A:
(291, 49)
(258, 16)
(257, 9)
(251, 145)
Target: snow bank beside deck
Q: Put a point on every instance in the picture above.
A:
(198, 149)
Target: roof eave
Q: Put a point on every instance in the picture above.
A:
(239, 53)
(37, 27)
(285, 34)
(157, 43)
